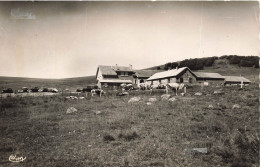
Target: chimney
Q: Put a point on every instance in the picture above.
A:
(130, 66)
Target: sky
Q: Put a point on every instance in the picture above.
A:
(70, 39)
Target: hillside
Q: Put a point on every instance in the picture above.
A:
(70, 83)
(225, 65)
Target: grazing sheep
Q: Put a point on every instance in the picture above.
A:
(97, 91)
(126, 87)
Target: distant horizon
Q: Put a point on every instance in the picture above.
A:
(57, 40)
(103, 64)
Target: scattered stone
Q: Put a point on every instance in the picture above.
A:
(198, 94)
(149, 103)
(165, 96)
(236, 106)
(210, 106)
(195, 150)
(134, 99)
(172, 99)
(182, 94)
(152, 99)
(218, 92)
(81, 98)
(123, 94)
(98, 112)
(71, 110)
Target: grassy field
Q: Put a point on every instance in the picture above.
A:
(109, 131)
(68, 83)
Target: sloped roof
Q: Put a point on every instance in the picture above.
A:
(165, 74)
(236, 79)
(111, 70)
(146, 73)
(107, 70)
(115, 81)
(208, 75)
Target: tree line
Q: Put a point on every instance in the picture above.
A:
(200, 63)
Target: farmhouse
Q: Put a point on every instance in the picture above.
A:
(212, 78)
(113, 76)
(235, 80)
(181, 75)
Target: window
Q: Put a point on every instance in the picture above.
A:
(190, 80)
(123, 73)
(181, 80)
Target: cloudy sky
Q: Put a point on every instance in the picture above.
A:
(70, 39)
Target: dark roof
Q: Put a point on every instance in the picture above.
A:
(236, 79)
(107, 70)
(111, 70)
(145, 73)
(208, 75)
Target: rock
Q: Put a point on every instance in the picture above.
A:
(210, 106)
(125, 93)
(218, 92)
(172, 99)
(71, 110)
(149, 103)
(152, 99)
(236, 106)
(182, 94)
(81, 98)
(165, 96)
(198, 94)
(98, 112)
(134, 99)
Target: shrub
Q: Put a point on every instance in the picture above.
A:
(129, 136)
(108, 138)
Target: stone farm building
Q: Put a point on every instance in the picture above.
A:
(181, 75)
(185, 75)
(112, 77)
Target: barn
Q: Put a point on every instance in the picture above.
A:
(209, 78)
(236, 80)
(181, 75)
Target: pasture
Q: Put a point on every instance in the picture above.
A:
(109, 131)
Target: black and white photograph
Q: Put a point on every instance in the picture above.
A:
(129, 84)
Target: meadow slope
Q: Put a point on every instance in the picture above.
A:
(108, 131)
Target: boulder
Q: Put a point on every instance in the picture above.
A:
(134, 99)
(236, 106)
(210, 106)
(172, 99)
(165, 96)
(149, 103)
(218, 92)
(152, 99)
(71, 110)
(81, 98)
(98, 112)
(198, 94)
